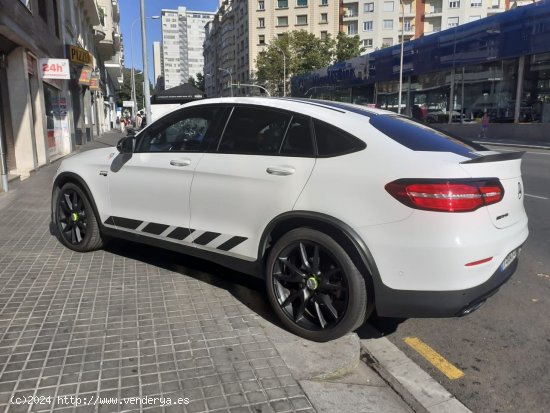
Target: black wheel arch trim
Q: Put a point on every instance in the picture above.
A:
(359, 253)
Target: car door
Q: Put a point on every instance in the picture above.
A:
(257, 172)
(149, 189)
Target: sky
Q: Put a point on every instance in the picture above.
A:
(130, 11)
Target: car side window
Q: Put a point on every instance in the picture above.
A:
(332, 141)
(254, 131)
(298, 140)
(186, 131)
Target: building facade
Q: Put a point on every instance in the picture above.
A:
(183, 34)
(382, 23)
(241, 29)
(498, 65)
(42, 119)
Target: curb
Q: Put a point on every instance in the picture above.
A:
(414, 385)
(309, 360)
(512, 144)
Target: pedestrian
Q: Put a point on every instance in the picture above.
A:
(139, 119)
(484, 125)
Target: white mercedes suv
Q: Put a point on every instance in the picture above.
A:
(340, 208)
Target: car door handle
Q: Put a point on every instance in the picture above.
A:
(181, 162)
(280, 170)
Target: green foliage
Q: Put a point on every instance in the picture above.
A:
(304, 53)
(125, 92)
(198, 83)
(347, 47)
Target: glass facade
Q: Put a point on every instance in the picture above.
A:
(499, 66)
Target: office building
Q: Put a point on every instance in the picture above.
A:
(241, 29)
(183, 35)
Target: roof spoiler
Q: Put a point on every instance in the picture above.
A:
(494, 157)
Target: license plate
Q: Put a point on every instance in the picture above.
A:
(508, 260)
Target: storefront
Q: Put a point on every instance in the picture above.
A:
(499, 65)
(81, 74)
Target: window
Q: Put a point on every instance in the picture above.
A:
(332, 141)
(352, 28)
(367, 42)
(298, 140)
(301, 3)
(475, 3)
(324, 34)
(261, 39)
(301, 20)
(454, 4)
(474, 18)
(367, 26)
(324, 3)
(407, 25)
(261, 22)
(324, 18)
(282, 4)
(254, 131)
(452, 21)
(282, 21)
(184, 131)
(388, 6)
(368, 8)
(495, 4)
(261, 5)
(387, 42)
(388, 24)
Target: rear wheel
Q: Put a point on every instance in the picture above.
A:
(75, 221)
(314, 287)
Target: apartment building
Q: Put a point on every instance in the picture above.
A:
(382, 23)
(243, 28)
(43, 118)
(183, 35)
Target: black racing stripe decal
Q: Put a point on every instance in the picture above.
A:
(155, 229)
(180, 233)
(206, 238)
(231, 243)
(123, 222)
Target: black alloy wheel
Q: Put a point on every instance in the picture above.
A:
(314, 287)
(75, 220)
(72, 217)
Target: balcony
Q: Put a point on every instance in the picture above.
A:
(99, 34)
(114, 69)
(92, 12)
(117, 43)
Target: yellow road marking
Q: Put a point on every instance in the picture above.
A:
(434, 358)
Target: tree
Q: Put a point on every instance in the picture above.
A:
(192, 81)
(200, 81)
(125, 92)
(347, 47)
(303, 52)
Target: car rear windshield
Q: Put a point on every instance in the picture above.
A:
(419, 137)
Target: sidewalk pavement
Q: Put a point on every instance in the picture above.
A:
(81, 332)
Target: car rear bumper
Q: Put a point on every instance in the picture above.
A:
(409, 303)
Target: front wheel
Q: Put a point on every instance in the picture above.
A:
(314, 287)
(75, 221)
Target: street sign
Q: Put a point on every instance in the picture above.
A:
(128, 103)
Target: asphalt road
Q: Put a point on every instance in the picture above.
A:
(504, 347)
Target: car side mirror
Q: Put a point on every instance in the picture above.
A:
(126, 144)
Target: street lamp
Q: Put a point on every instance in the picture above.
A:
(401, 57)
(132, 50)
(230, 77)
(284, 66)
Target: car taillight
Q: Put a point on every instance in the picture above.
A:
(446, 195)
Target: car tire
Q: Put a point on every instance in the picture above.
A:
(314, 287)
(75, 221)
